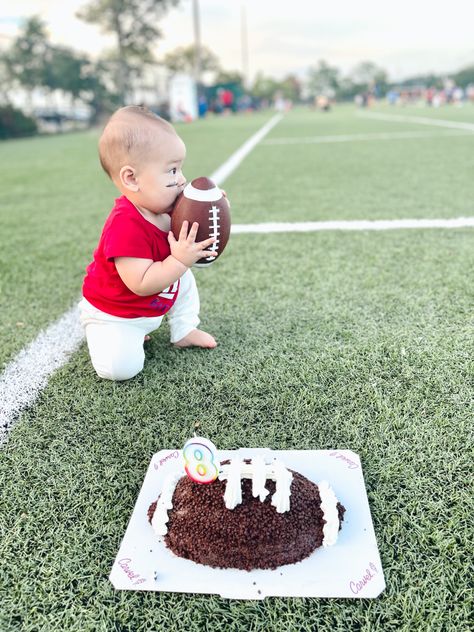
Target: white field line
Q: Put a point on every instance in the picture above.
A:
(352, 225)
(348, 138)
(28, 373)
(422, 120)
(231, 164)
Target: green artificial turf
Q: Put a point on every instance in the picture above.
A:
(326, 340)
(428, 177)
(363, 343)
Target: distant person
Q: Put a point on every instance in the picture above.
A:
(244, 103)
(202, 106)
(219, 103)
(323, 103)
(140, 272)
(279, 102)
(458, 95)
(227, 98)
(470, 92)
(392, 97)
(182, 114)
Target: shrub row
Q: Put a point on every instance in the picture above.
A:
(15, 124)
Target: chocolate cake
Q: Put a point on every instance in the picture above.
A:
(255, 533)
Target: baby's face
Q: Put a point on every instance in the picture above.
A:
(160, 178)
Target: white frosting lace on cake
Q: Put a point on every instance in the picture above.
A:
(165, 502)
(259, 472)
(330, 513)
(259, 477)
(283, 478)
(233, 489)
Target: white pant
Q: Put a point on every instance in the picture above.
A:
(116, 344)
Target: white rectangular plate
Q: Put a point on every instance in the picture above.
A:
(351, 568)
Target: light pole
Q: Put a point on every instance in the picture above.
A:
(244, 45)
(197, 42)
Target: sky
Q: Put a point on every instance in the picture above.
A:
(405, 37)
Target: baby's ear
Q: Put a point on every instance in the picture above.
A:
(128, 178)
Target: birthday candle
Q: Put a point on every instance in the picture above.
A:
(200, 457)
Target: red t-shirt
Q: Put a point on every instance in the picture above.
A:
(127, 233)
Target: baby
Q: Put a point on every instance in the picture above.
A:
(140, 272)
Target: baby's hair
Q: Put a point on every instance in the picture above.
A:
(129, 136)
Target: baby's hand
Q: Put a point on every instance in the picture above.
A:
(225, 195)
(187, 250)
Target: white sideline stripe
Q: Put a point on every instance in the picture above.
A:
(346, 138)
(231, 164)
(28, 373)
(423, 120)
(351, 225)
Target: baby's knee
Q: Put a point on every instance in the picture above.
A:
(119, 369)
(116, 350)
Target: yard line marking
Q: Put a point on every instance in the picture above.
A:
(423, 120)
(351, 225)
(231, 164)
(346, 138)
(27, 374)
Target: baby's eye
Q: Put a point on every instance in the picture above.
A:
(174, 171)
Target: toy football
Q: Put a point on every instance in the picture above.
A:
(203, 202)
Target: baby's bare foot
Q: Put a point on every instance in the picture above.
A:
(197, 338)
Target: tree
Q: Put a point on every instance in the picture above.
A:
(264, 87)
(291, 88)
(32, 62)
(133, 22)
(78, 76)
(464, 77)
(347, 89)
(229, 76)
(323, 79)
(98, 89)
(4, 79)
(65, 71)
(421, 80)
(182, 60)
(369, 76)
(26, 59)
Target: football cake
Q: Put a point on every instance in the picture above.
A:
(256, 514)
(203, 202)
